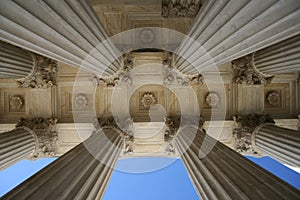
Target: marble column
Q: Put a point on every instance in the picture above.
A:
(218, 172)
(82, 173)
(277, 142)
(227, 30)
(15, 145)
(15, 62)
(67, 31)
(31, 139)
(283, 57)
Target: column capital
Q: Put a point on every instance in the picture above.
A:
(244, 126)
(245, 72)
(122, 75)
(173, 76)
(43, 74)
(180, 8)
(43, 131)
(124, 127)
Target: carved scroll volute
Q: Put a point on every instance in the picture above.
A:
(244, 125)
(122, 75)
(44, 133)
(43, 74)
(245, 72)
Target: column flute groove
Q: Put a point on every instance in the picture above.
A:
(67, 31)
(280, 143)
(82, 173)
(15, 62)
(233, 29)
(225, 174)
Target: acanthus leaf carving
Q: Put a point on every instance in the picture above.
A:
(125, 126)
(180, 8)
(245, 72)
(44, 133)
(122, 75)
(243, 129)
(43, 74)
(172, 76)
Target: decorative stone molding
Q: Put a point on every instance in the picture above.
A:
(212, 99)
(245, 72)
(148, 99)
(180, 8)
(43, 74)
(273, 98)
(243, 129)
(45, 136)
(122, 74)
(16, 102)
(80, 101)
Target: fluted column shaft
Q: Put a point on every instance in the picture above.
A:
(67, 31)
(280, 143)
(231, 29)
(82, 173)
(15, 145)
(15, 62)
(225, 174)
(279, 58)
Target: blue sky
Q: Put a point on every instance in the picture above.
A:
(171, 182)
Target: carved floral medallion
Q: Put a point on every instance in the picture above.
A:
(80, 101)
(273, 98)
(212, 99)
(148, 99)
(16, 102)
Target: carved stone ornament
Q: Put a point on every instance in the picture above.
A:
(243, 130)
(124, 125)
(80, 101)
(43, 75)
(170, 149)
(16, 102)
(245, 72)
(174, 77)
(147, 36)
(273, 98)
(212, 99)
(172, 125)
(148, 99)
(45, 135)
(180, 8)
(122, 75)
